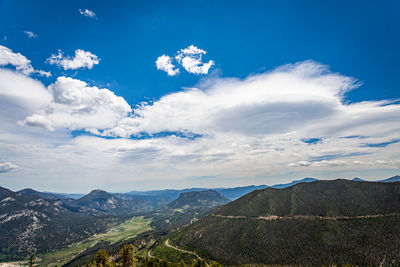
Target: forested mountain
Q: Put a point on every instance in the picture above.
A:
(189, 207)
(30, 224)
(101, 201)
(30, 191)
(312, 224)
(320, 198)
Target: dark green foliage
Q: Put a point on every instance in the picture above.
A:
(101, 258)
(320, 198)
(302, 241)
(172, 255)
(199, 263)
(307, 242)
(127, 255)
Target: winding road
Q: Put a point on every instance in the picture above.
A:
(184, 251)
(304, 217)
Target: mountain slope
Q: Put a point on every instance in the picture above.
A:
(30, 224)
(188, 207)
(236, 192)
(30, 191)
(304, 180)
(104, 202)
(322, 222)
(320, 198)
(391, 179)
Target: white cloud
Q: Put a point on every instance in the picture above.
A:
(31, 34)
(20, 62)
(190, 58)
(239, 131)
(164, 63)
(276, 102)
(44, 73)
(8, 57)
(88, 13)
(75, 105)
(82, 59)
(37, 121)
(7, 167)
(20, 94)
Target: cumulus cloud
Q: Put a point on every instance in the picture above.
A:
(287, 99)
(31, 34)
(20, 62)
(76, 105)
(8, 57)
(238, 131)
(82, 59)
(190, 58)
(88, 13)
(7, 167)
(263, 120)
(164, 63)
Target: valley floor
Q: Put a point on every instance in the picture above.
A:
(126, 230)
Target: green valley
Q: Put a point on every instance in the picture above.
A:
(126, 230)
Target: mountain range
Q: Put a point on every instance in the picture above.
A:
(33, 221)
(30, 224)
(165, 196)
(188, 207)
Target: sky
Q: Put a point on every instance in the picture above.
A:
(139, 95)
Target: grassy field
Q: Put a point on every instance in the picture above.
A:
(128, 229)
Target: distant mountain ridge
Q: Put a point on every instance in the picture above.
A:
(189, 206)
(304, 180)
(30, 191)
(102, 201)
(165, 196)
(198, 198)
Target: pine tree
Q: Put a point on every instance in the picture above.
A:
(128, 258)
(101, 258)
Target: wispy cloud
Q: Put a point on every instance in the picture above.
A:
(31, 34)
(190, 58)
(7, 167)
(82, 59)
(87, 13)
(20, 62)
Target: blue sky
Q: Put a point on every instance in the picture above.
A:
(351, 47)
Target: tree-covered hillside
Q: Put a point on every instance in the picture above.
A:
(311, 224)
